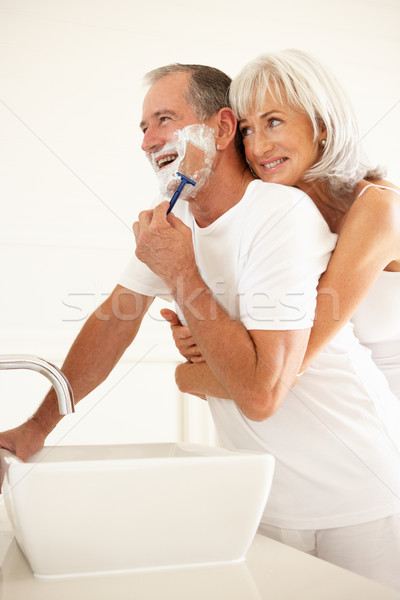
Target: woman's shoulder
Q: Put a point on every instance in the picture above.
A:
(378, 199)
(373, 223)
(374, 217)
(377, 189)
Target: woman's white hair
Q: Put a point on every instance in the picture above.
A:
(299, 79)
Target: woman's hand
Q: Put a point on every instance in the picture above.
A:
(182, 337)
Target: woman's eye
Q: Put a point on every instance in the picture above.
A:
(245, 131)
(274, 122)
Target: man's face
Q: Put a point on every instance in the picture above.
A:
(174, 139)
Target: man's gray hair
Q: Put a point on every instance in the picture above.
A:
(299, 79)
(208, 87)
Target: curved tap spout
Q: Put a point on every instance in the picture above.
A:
(57, 378)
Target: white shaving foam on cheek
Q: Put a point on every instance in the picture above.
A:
(203, 138)
(200, 136)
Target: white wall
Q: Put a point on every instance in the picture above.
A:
(72, 176)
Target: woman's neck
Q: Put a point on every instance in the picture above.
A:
(332, 207)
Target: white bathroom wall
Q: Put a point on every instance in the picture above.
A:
(73, 178)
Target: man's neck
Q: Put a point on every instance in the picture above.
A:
(224, 190)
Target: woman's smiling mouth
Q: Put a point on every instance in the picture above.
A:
(273, 163)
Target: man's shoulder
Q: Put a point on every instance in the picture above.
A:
(286, 217)
(270, 191)
(267, 201)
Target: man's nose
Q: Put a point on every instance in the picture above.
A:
(151, 141)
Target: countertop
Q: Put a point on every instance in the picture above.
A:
(271, 571)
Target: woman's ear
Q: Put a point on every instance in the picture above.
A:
(321, 133)
(321, 127)
(225, 128)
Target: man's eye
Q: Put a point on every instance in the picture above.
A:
(163, 119)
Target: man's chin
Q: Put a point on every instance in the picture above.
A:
(172, 186)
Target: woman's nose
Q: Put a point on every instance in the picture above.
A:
(261, 144)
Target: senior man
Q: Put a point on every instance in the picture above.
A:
(242, 258)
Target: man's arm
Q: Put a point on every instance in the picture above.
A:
(97, 349)
(257, 367)
(193, 376)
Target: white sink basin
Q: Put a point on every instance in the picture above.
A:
(90, 509)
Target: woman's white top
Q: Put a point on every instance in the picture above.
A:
(377, 322)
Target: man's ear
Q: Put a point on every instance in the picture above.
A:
(226, 128)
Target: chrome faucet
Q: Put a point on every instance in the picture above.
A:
(57, 378)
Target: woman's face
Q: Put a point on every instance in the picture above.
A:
(279, 142)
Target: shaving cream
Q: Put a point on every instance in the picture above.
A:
(201, 137)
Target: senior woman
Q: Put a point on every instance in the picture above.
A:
(298, 129)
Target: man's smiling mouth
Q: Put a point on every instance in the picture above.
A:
(166, 160)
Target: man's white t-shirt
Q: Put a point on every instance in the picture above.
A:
(262, 259)
(336, 463)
